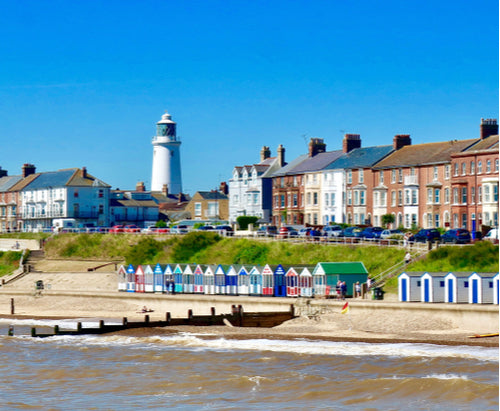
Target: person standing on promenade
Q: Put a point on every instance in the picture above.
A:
(343, 289)
(357, 289)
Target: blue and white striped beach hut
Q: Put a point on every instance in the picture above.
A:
(256, 280)
(243, 281)
(149, 279)
(209, 280)
(433, 287)
(232, 280)
(481, 288)
(198, 273)
(131, 278)
(122, 278)
(187, 280)
(409, 286)
(457, 287)
(306, 282)
(168, 279)
(159, 285)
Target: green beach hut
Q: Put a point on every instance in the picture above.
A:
(348, 272)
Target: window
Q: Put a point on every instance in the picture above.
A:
(464, 195)
(381, 177)
(277, 202)
(487, 193)
(464, 169)
(407, 196)
(100, 194)
(75, 194)
(332, 198)
(295, 200)
(464, 220)
(495, 193)
(455, 169)
(447, 171)
(383, 198)
(197, 209)
(429, 195)
(488, 166)
(361, 177)
(375, 198)
(435, 173)
(473, 195)
(479, 194)
(441, 283)
(446, 195)
(455, 195)
(393, 198)
(349, 176)
(400, 197)
(349, 197)
(101, 208)
(437, 193)
(356, 197)
(479, 167)
(414, 197)
(315, 198)
(282, 200)
(496, 165)
(362, 197)
(308, 198)
(472, 167)
(393, 176)
(295, 181)
(400, 175)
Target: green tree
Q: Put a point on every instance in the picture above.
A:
(244, 220)
(388, 219)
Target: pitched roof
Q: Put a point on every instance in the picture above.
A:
(9, 181)
(361, 157)
(489, 143)
(316, 163)
(356, 267)
(287, 168)
(212, 195)
(420, 154)
(69, 177)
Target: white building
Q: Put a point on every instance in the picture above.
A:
(250, 188)
(166, 157)
(70, 193)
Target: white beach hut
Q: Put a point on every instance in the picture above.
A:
(255, 280)
(243, 281)
(481, 288)
(319, 281)
(209, 280)
(122, 278)
(456, 287)
(187, 280)
(433, 287)
(495, 289)
(409, 286)
(149, 279)
(306, 283)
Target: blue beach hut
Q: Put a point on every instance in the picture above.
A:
(255, 280)
(243, 281)
(198, 279)
(122, 278)
(131, 279)
(220, 279)
(178, 271)
(149, 279)
(232, 280)
(159, 284)
(168, 279)
(279, 281)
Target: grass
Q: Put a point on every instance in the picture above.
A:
(9, 261)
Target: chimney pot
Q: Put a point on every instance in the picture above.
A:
(489, 127)
(401, 140)
(265, 153)
(316, 146)
(350, 142)
(28, 169)
(281, 155)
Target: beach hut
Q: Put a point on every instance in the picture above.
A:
(220, 279)
(139, 279)
(267, 280)
(168, 279)
(481, 288)
(232, 280)
(292, 283)
(149, 279)
(255, 280)
(433, 287)
(409, 285)
(319, 282)
(209, 280)
(198, 279)
(350, 272)
(279, 281)
(306, 283)
(495, 289)
(122, 278)
(456, 287)
(159, 284)
(243, 281)
(178, 272)
(187, 280)
(131, 278)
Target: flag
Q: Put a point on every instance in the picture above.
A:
(345, 308)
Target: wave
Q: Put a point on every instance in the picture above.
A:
(349, 349)
(65, 324)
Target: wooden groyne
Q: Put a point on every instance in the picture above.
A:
(237, 318)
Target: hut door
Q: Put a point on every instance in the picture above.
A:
(404, 297)
(450, 291)
(426, 290)
(474, 292)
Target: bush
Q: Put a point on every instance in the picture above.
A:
(244, 220)
(191, 243)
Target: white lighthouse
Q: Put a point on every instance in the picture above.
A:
(166, 157)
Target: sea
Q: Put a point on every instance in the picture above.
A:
(191, 371)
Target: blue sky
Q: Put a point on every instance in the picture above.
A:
(82, 83)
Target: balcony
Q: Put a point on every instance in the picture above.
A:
(411, 180)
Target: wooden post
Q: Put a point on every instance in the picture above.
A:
(168, 318)
(56, 329)
(212, 311)
(33, 331)
(101, 324)
(190, 314)
(292, 310)
(11, 331)
(79, 327)
(146, 318)
(12, 306)
(125, 321)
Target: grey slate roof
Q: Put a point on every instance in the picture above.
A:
(212, 195)
(317, 162)
(361, 157)
(289, 167)
(51, 179)
(8, 181)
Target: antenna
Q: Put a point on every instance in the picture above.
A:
(304, 137)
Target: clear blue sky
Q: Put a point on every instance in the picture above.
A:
(82, 83)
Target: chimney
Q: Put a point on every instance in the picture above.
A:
(350, 142)
(140, 186)
(223, 188)
(3, 173)
(164, 190)
(28, 169)
(401, 140)
(281, 155)
(84, 172)
(180, 198)
(264, 153)
(316, 146)
(489, 127)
